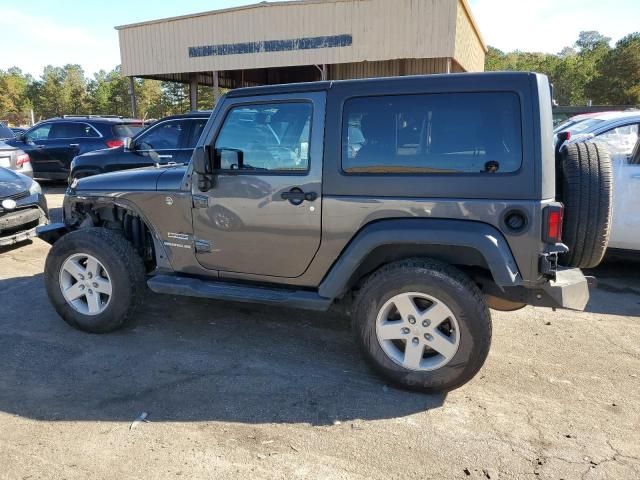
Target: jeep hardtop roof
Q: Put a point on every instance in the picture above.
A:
(471, 78)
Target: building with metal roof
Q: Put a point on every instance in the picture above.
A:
(304, 40)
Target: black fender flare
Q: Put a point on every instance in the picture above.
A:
(483, 238)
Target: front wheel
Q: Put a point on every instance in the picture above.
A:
(423, 325)
(94, 279)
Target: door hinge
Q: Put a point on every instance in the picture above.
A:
(202, 246)
(200, 201)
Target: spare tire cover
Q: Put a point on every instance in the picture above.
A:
(586, 188)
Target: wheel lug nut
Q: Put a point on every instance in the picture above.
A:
(428, 336)
(90, 292)
(412, 319)
(405, 330)
(426, 323)
(81, 287)
(81, 277)
(95, 284)
(415, 340)
(90, 275)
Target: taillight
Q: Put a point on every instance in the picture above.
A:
(564, 136)
(552, 229)
(114, 143)
(21, 159)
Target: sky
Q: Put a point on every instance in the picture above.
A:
(36, 33)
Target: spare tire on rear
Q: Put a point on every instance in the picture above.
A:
(585, 188)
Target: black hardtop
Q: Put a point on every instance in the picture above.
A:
(467, 80)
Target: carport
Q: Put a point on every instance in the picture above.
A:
(303, 40)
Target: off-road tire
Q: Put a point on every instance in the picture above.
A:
(587, 189)
(449, 285)
(122, 262)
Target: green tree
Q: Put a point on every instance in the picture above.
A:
(617, 79)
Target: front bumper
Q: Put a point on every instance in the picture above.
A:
(21, 225)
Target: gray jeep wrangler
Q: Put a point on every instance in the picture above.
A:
(418, 203)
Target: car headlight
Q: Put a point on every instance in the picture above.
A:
(35, 188)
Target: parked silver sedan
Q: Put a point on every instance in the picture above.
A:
(15, 159)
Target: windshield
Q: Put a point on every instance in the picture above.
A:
(580, 126)
(5, 132)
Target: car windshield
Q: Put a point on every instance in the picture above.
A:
(578, 127)
(127, 129)
(5, 132)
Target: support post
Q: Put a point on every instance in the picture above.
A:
(216, 88)
(193, 91)
(132, 94)
(448, 65)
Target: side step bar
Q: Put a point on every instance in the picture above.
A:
(194, 287)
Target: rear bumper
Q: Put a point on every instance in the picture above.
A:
(569, 290)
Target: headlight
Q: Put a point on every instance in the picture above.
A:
(35, 188)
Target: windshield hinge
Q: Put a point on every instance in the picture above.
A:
(200, 201)
(202, 246)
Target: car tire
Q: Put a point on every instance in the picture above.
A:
(586, 186)
(425, 283)
(103, 270)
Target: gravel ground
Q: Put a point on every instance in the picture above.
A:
(235, 391)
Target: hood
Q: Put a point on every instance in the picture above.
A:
(137, 179)
(12, 183)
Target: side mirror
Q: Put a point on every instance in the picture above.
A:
(128, 144)
(229, 159)
(201, 160)
(20, 137)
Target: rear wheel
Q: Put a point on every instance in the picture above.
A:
(423, 325)
(94, 279)
(586, 190)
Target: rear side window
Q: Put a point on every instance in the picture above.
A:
(162, 136)
(434, 133)
(126, 129)
(196, 130)
(65, 130)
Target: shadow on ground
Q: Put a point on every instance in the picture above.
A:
(187, 359)
(618, 275)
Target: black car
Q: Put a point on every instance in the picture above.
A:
(53, 143)
(169, 140)
(5, 132)
(22, 207)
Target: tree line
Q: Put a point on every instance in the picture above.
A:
(589, 71)
(67, 91)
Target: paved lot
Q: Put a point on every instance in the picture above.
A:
(249, 392)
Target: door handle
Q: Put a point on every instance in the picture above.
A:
(165, 156)
(74, 144)
(296, 196)
(39, 146)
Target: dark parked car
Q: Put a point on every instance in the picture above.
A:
(169, 140)
(5, 132)
(53, 143)
(22, 207)
(415, 203)
(15, 159)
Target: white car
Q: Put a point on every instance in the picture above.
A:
(620, 132)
